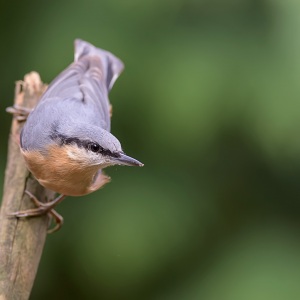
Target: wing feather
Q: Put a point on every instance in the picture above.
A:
(88, 80)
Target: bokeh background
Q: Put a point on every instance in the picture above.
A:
(209, 101)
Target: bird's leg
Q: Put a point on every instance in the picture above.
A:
(20, 113)
(59, 220)
(42, 208)
(48, 205)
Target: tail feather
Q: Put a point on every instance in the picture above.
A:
(112, 65)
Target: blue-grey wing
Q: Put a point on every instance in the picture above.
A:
(87, 82)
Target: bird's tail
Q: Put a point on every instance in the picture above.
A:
(113, 65)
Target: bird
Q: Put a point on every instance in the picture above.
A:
(66, 141)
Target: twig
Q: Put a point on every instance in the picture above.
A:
(21, 240)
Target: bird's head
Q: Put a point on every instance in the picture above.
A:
(93, 147)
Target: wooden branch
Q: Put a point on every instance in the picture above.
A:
(21, 240)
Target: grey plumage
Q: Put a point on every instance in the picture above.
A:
(76, 102)
(66, 140)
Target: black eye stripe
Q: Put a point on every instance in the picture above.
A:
(88, 145)
(96, 148)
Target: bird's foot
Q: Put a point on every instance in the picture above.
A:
(20, 113)
(41, 209)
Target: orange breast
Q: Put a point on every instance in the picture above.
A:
(60, 172)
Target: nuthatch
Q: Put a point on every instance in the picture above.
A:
(66, 140)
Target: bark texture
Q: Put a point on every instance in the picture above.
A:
(21, 240)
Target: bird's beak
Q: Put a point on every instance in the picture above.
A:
(125, 160)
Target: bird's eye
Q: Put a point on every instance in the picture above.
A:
(94, 147)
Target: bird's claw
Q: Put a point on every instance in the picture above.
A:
(41, 209)
(20, 113)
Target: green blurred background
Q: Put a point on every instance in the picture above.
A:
(209, 101)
